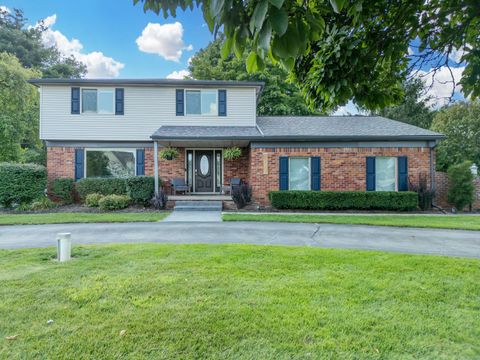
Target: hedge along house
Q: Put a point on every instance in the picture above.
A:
(117, 127)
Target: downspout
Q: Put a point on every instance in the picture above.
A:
(432, 178)
(155, 165)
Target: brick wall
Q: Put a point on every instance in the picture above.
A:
(441, 191)
(341, 168)
(60, 162)
(237, 168)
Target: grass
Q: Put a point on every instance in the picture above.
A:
(237, 302)
(61, 218)
(421, 221)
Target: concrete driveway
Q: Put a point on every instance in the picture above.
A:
(406, 240)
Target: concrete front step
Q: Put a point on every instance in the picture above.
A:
(198, 206)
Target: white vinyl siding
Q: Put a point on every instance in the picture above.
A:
(146, 109)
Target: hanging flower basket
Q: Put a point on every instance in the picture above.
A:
(232, 153)
(169, 153)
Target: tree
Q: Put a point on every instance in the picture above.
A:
(279, 97)
(414, 107)
(460, 123)
(25, 43)
(18, 108)
(339, 50)
(460, 188)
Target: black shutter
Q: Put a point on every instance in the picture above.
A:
(315, 173)
(75, 100)
(119, 95)
(79, 164)
(283, 172)
(402, 173)
(140, 162)
(180, 102)
(370, 173)
(222, 102)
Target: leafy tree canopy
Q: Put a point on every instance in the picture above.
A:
(414, 108)
(26, 44)
(279, 97)
(460, 123)
(340, 50)
(19, 108)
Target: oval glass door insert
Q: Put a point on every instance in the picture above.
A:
(204, 165)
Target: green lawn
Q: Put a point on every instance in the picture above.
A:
(423, 221)
(60, 218)
(237, 302)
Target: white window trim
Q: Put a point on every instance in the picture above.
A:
(396, 172)
(309, 170)
(97, 113)
(133, 151)
(201, 90)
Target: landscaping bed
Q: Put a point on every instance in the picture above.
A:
(232, 301)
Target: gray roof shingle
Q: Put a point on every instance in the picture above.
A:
(298, 128)
(340, 127)
(207, 132)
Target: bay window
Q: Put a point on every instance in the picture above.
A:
(110, 162)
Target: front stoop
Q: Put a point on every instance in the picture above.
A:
(204, 205)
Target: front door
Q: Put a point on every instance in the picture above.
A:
(204, 171)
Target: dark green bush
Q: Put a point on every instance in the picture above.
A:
(460, 185)
(141, 189)
(344, 200)
(104, 186)
(92, 200)
(21, 183)
(63, 190)
(114, 202)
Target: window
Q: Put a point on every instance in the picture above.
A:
(98, 101)
(299, 173)
(110, 163)
(385, 173)
(201, 102)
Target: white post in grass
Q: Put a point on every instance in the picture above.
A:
(64, 246)
(155, 165)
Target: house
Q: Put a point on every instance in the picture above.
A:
(116, 127)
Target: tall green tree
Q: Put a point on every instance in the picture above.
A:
(279, 97)
(460, 123)
(339, 50)
(18, 108)
(25, 42)
(414, 108)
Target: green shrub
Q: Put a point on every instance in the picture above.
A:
(92, 199)
(460, 185)
(21, 183)
(104, 186)
(63, 190)
(43, 203)
(114, 202)
(141, 189)
(344, 200)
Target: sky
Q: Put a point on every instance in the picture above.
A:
(117, 39)
(114, 38)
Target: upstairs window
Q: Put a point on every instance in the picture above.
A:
(201, 102)
(98, 101)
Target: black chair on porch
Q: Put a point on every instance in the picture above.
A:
(234, 182)
(179, 184)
